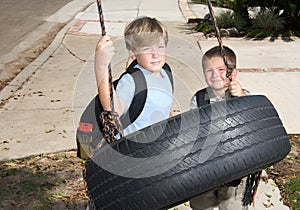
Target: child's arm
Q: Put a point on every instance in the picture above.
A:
(236, 89)
(103, 56)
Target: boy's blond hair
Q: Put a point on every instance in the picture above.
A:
(144, 31)
(216, 52)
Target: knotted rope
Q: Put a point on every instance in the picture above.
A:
(252, 179)
(109, 119)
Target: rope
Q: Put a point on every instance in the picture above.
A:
(101, 17)
(102, 25)
(109, 119)
(252, 183)
(252, 179)
(217, 31)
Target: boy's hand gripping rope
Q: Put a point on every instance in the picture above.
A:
(218, 35)
(109, 119)
(252, 179)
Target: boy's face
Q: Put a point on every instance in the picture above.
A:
(215, 73)
(151, 58)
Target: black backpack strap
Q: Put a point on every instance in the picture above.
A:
(200, 97)
(167, 68)
(140, 95)
(131, 66)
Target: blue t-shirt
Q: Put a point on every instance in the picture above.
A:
(158, 103)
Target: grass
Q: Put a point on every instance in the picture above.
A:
(27, 184)
(292, 188)
(52, 181)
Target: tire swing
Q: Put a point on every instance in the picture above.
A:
(174, 160)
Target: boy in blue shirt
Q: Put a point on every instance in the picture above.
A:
(146, 41)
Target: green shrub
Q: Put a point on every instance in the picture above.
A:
(289, 33)
(268, 21)
(240, 22)
(259, 34)
(228, 19)
(213, 2)
(206, 27)
(225, 19)
(198, 1)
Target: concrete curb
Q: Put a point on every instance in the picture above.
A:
(59, 17)
(185, 10)
(34, 66)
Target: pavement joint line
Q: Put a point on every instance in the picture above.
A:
(262, 70)
(79, 24)
(73, 54)
(271, 39)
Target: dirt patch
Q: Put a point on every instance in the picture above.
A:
(54, 181)
(10, 70)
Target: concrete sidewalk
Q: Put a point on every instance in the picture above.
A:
(45, 101)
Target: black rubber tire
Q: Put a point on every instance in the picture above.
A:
(252, 138)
